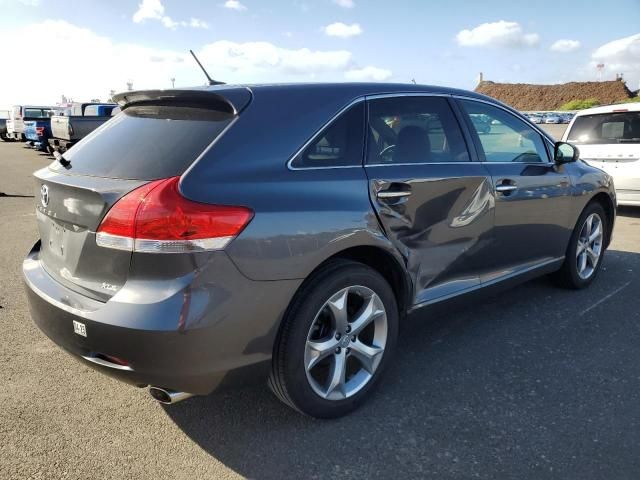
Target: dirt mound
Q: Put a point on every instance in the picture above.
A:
(525, 96)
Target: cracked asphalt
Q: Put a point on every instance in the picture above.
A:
(536, 382)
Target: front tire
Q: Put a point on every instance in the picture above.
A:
(336, 339)
(586, 248)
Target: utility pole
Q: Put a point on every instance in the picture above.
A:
(129, 85)
(173, 82)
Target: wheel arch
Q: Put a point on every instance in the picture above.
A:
(386, 265)
(607, 204)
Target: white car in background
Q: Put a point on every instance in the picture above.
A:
(609, 138)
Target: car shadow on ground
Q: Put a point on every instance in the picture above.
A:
(633, 212)
(532, 381)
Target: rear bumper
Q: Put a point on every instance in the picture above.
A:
(195, 339)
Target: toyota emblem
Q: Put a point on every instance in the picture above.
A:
(44, 195)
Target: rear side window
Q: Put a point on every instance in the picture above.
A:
(340, 144)
(413, 130)
(615, 127)
(147, 142)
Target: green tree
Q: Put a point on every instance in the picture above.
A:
(580, 104)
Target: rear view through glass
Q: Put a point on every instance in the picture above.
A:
(616, 127)
(148, 142)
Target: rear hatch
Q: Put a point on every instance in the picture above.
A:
(157, 137)
(610, 141)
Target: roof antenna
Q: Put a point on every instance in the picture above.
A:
(211, 80)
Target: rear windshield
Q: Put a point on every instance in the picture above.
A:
(147, 142)
(37, 113)
(616, 127)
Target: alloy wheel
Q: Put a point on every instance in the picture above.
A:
(345, 343)
(589, 246)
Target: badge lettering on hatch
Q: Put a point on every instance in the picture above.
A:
(79, 328)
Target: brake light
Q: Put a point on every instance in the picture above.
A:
(40, 131)
(156, 218)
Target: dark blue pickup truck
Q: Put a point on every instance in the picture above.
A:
(38, 133)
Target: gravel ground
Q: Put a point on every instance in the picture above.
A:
(537, 382)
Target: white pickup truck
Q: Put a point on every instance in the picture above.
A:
(76, 121)
(609, 138)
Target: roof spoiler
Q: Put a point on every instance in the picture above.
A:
(187, 98)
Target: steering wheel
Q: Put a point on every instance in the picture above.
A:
(386, 155)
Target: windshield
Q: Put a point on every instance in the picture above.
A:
(147, 142)
(602, 128)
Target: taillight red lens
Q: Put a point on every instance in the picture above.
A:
(157, 218)
(40, 131)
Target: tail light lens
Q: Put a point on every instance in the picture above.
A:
(156, 218)
(40, 131)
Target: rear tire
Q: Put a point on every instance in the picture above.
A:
(335, 341)
(586, 248)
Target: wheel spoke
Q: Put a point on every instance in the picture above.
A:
(371, 310)
(595, 235)
(316, 351)
(368, 356)
(593, 257)
(589, 224)
(582, 261)
(580, 248)
(335, 389)
(338, 306)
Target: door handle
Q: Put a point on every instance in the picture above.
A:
(386, 194)
(505, 188)
(394, 191)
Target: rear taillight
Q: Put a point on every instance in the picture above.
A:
(156, 218)
(40, 131)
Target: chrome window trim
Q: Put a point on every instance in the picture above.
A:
(378, 96)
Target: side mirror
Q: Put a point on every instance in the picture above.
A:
(565, 153)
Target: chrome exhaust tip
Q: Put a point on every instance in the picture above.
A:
(168, 397)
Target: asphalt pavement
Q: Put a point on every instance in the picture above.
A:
(536, 382)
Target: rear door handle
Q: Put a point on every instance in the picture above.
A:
(394, 191)
(386, 194)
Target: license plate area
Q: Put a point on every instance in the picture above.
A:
(57, 239)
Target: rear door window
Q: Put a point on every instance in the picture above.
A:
(147, 142)
(340, 144)
(413, 130)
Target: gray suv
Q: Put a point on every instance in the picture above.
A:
(209, 237)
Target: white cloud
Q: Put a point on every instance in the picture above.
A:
(107, 64)
(565, 46)
(149, 9)
(30, 3)
(343, 30)
(369, 73)
(234, 5)
(345, 3)
(497, 34)
(263, 57)
(621, 56)
(154, 10)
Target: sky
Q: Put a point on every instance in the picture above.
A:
(84, 49)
